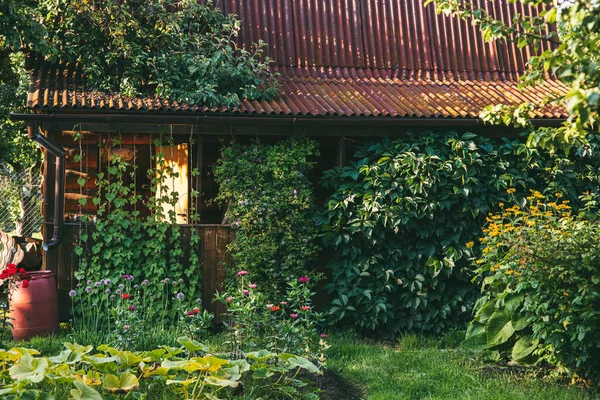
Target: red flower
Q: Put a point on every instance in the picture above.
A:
(189, 313)
(275, 308)
(196, 310)
(10, 266)
(25, 283)
(305, 308)
(125, 296)
(22, 271)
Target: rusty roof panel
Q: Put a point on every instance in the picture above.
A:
(315, 92)
(387, 58)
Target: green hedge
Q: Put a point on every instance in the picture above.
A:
(404, 211)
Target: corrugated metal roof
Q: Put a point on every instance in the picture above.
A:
(391, 58)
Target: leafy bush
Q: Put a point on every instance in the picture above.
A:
(403, 211)
(125, 242)
(289, 325)
(542, 286)
(269, 205)
(185, 372)
(177, 50)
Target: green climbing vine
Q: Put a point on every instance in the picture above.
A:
(124, 241)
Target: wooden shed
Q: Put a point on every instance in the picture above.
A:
(349, 70)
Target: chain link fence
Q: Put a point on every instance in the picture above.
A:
(21, 203)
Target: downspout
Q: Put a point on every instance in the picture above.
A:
(59, 182)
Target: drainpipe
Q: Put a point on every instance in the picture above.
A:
(59, 182)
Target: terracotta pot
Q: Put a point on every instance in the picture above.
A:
(34, 309)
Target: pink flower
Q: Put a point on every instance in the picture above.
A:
(294, 316)
(283, 303)
(242, 273)
(245, 292)
(305, 308)
(324, 335)
(269, 305)
(229, 299)
(131, 308)
(303, 279)
(252, 285)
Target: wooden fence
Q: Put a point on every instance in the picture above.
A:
(213, 252)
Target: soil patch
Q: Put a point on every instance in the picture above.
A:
(336, 387)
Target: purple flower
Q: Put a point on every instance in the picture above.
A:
(145, 282)
(72, 293)
(79, 285)
(121, 286)
(199, 301)
(303, 279)
(324, 335)
(107, 291)
(89, 282)
(180, 296)
(118, 291)
(245, 292)
(136, 287)
(166, 280)
(107, 282)
(131, 308)
(88, 289)
(242, 273)
(98, 284)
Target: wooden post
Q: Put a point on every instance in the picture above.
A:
(341, 152)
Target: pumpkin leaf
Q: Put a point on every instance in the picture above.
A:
(84, 392)
(126, 382)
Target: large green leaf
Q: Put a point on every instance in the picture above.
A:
(84, 392)
(191, 345)
(476, 337)
(29, 368)
(260, 356)
(303, 363)
(523, 349)
(126, 382)
(499, 327)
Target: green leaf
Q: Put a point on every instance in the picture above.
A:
(262, 373)
(84, 392)
(523, 348)
(81, 181)
(191, 345)
(499, 327)
(29, 368)
(125, 382)
(260, 356)
(82, 201)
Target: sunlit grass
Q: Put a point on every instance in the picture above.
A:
(418, 368)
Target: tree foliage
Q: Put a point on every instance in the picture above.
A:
(573, 27)
(406, 214)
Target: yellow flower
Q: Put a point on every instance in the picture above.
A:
(511, 190)
(565, 293)
(500, 204)
(557, 194)
(479, 261)
(469, 245)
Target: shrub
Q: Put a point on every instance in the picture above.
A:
(269, 205)
(541, 282)
(290, 325)
(403, 211)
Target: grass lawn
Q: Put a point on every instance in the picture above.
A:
(417, 368)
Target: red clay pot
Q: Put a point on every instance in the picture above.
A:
(34, 309)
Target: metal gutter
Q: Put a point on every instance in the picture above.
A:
(179, 119)
(59, 182)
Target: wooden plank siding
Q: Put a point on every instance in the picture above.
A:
(63, 261)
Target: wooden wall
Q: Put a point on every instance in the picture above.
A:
(213, 252)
